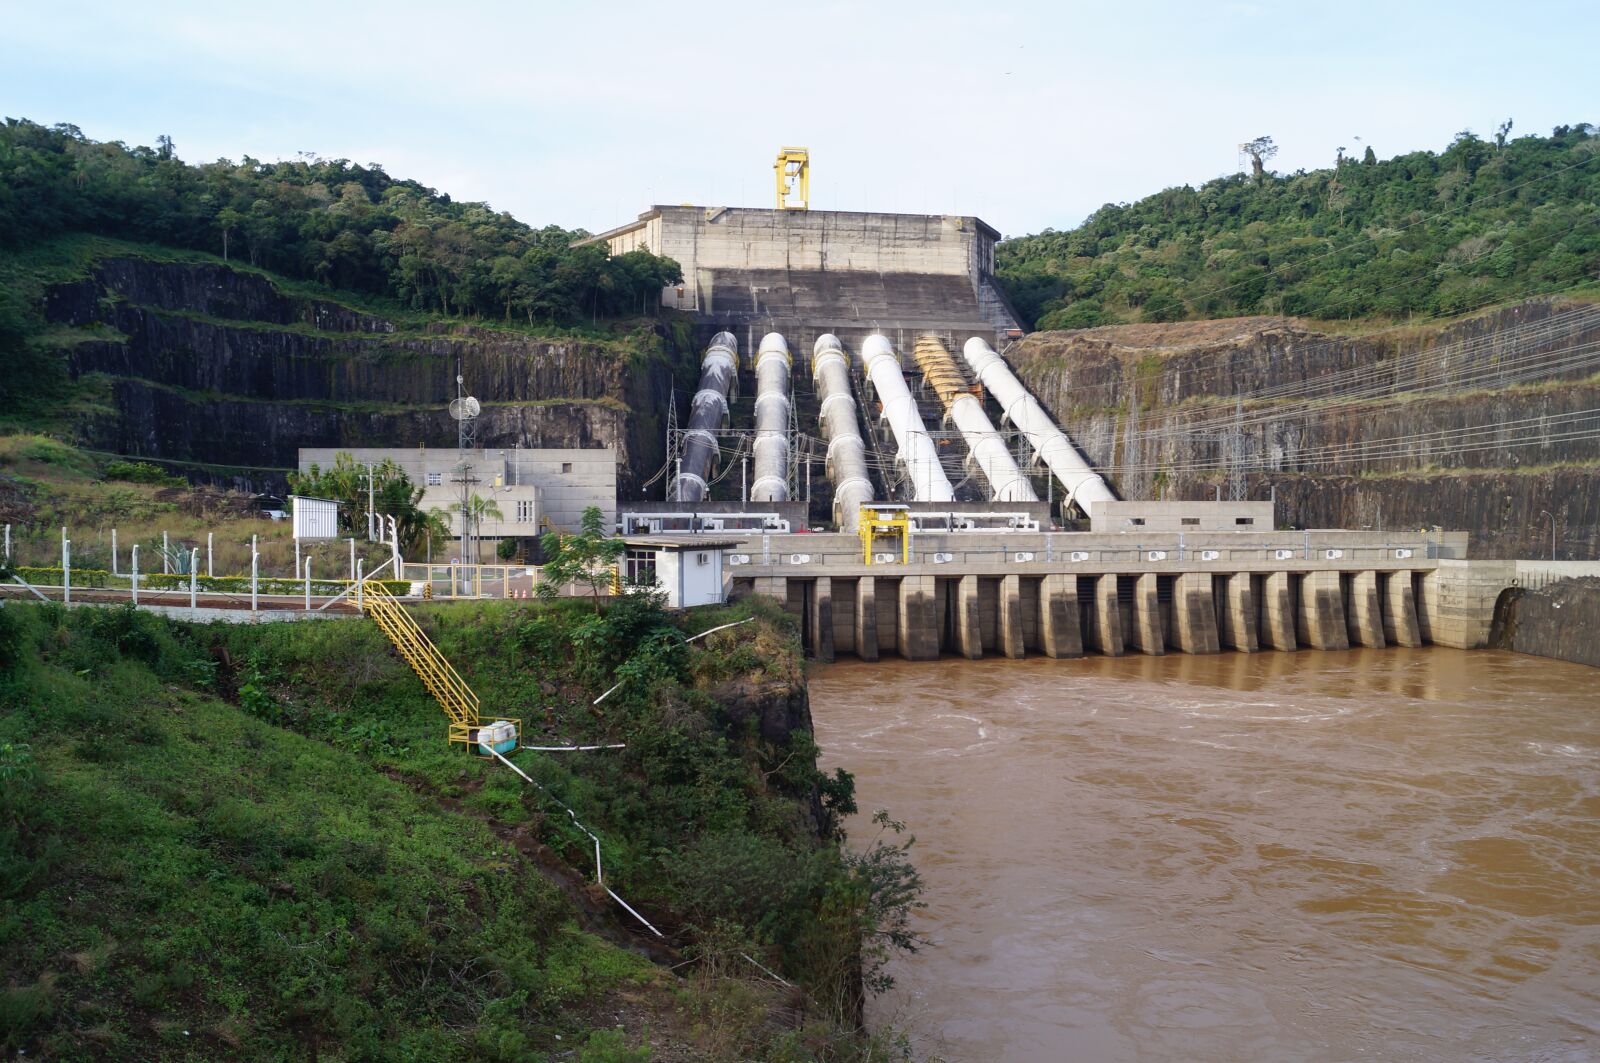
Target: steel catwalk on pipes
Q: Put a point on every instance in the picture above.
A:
(772, 421)
(988, 447)
(917, 452)
(847, 453)
(706, 414)
(1084, 485)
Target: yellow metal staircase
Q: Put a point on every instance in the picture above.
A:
(458, 700)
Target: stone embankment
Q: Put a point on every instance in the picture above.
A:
(219, 365)
(1146, 402)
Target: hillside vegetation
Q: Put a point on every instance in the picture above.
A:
(339, 224)
(1423, 233)
(249, 841)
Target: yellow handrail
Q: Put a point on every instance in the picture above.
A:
(458, 700)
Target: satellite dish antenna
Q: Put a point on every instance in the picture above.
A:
(464, 408)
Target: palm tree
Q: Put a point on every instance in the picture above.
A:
(477, 508)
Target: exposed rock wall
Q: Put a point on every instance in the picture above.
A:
(218, 365)
(1145, 402)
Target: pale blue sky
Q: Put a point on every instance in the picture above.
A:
(1028, 114)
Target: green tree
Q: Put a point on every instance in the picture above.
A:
(477, 509)
(588, 557)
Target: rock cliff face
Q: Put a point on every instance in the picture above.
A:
(218, 365)
(1152, 406)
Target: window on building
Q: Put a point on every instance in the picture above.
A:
(566, 466)
(639, 566)
(1135, 520)
(1188, 520)
(1244, 520)
(435, 479)
(525, 511)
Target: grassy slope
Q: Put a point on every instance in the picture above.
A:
(193, 881)
(258, 835)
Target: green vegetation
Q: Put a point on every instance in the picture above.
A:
(386, 484)
(1422, 233)
(329, 221)
(589, 558)
(252, 841)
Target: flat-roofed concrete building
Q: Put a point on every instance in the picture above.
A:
(805, 272)
(526, 485)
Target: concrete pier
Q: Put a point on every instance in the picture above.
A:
(1321, 622)
(1106, 627)
(1399, 610)
(1148, 632)
(1364, 611)
(822, 619)
(1278, 613)
(1238, 615)
(969, 625)
(866, 619)
(917, 629)
(1060, 634)
(1194, 614)
(1012, 642)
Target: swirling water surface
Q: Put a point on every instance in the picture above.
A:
(1373, 854)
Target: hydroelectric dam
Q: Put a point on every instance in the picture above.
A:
(858, 447)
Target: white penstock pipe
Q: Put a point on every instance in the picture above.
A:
(847, 453)
(916, 449)
(989, 450)
(772, 421)
(706, 415)
(1083, 484)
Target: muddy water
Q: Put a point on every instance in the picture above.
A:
(1378, 854)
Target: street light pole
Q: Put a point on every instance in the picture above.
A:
(1552, 517)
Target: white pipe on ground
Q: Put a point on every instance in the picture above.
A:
(847, 452)
(706, 414)
(1083, 484)
(917, 452)
(772, 421)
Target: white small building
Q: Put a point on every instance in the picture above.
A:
(314, 518)
(688, 568)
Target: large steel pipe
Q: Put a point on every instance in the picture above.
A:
(847, 452)
(772, 421)
(916, 450)
(1084, 485)
(706, 414)
(988, 448)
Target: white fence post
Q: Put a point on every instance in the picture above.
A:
(360, 604)
(66, 568)
(352, 557)
(166, 556)
(255, 560)
(297, 555)
(114, 571)
(194, 573)
(135, 574)
(209, 573)
(308, 585)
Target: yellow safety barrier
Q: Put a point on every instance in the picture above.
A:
(455, 697)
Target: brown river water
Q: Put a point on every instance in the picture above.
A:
(1373, 854)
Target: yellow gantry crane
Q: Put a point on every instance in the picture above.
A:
(455, 697)
(793, 171)
(884, 521)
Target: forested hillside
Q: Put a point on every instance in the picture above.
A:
(1422, 233)
(332, 221)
